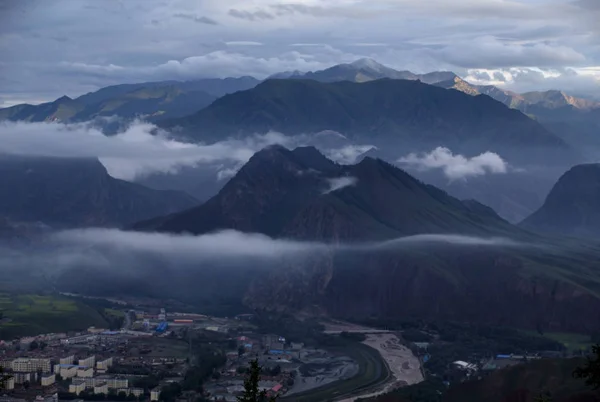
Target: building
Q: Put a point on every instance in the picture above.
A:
(77, 387)
(115, 383)
(25, 364)
(6, 364)
(136, 391)
(155, 394)
(104, 364)
(21, 378)
(67, 360)
(9, 383)
(48, 379)
(84, 371)
(87, 362)
(101, 388)
(66, 371)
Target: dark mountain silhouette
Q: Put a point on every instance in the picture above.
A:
(77, 192)
(398, 112)
(151, 100)
(288, 193)
(572, 206)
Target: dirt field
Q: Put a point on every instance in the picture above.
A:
(403, 364)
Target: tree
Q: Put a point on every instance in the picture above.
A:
(591, 370)
(251, 392)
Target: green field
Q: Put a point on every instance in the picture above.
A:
(372, 371)
(572, 342)
(30, 314)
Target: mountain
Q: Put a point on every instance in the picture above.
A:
(301, 195)
(572, 206)
(290, 193)
(76, 193)
(153, 100)
(525, 383)
(385, 112)
(363, 70)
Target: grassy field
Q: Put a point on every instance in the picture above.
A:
(161, 347)
(572, 342)
(30, 314)
(372, 371)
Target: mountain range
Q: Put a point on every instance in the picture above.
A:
(153, 101)
(405, 114)
(70, 192)
(527, 281)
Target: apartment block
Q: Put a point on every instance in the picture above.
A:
(84, 371)
(29, 365)
(104, 364)
(87, 362)
(77, 387)
(101, 388)
(48, 379)
(155, 394)
(67, 360)
(66, 371)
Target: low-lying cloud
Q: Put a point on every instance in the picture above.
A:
(456, 166)
(339, 183)
(140, 148)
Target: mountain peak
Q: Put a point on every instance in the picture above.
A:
(62, 99)
(368, 64)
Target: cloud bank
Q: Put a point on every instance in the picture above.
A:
(141, 148)
(457, 166)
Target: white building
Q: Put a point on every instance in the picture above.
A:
(9, 383)
(77, 387)
(155, 394)
(87, 362)
(66, 371)
(84, 371)
(25, 364)
(101, 388)
(67, 360)
(104, 364)
(48, 379)
(136, 391)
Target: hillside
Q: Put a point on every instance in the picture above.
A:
(77, 192)
(572, 206)
(525, 382)
(301, 195)
(281, 192)
(152, 100)
(384, 112)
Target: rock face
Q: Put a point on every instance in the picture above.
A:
(573, 205)
(67, 192)
(301, 195)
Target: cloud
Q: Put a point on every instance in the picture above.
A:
(258, 15)
(231, 244)
(243, 43)
(348, 154)
(227, 243)
(200, 19)
(457, 166)
(339, 183)
(139, 150)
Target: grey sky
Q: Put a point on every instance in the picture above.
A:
(51, 48)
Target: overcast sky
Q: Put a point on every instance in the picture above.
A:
(51, 48)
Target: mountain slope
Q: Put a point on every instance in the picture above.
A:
(77, 193)
(572, 206)
(155, 100)
(287, 193)
(481, 279)
(384, 112)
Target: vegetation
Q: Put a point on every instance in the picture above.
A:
(251, 391)
(30, 314)
(591, 370)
